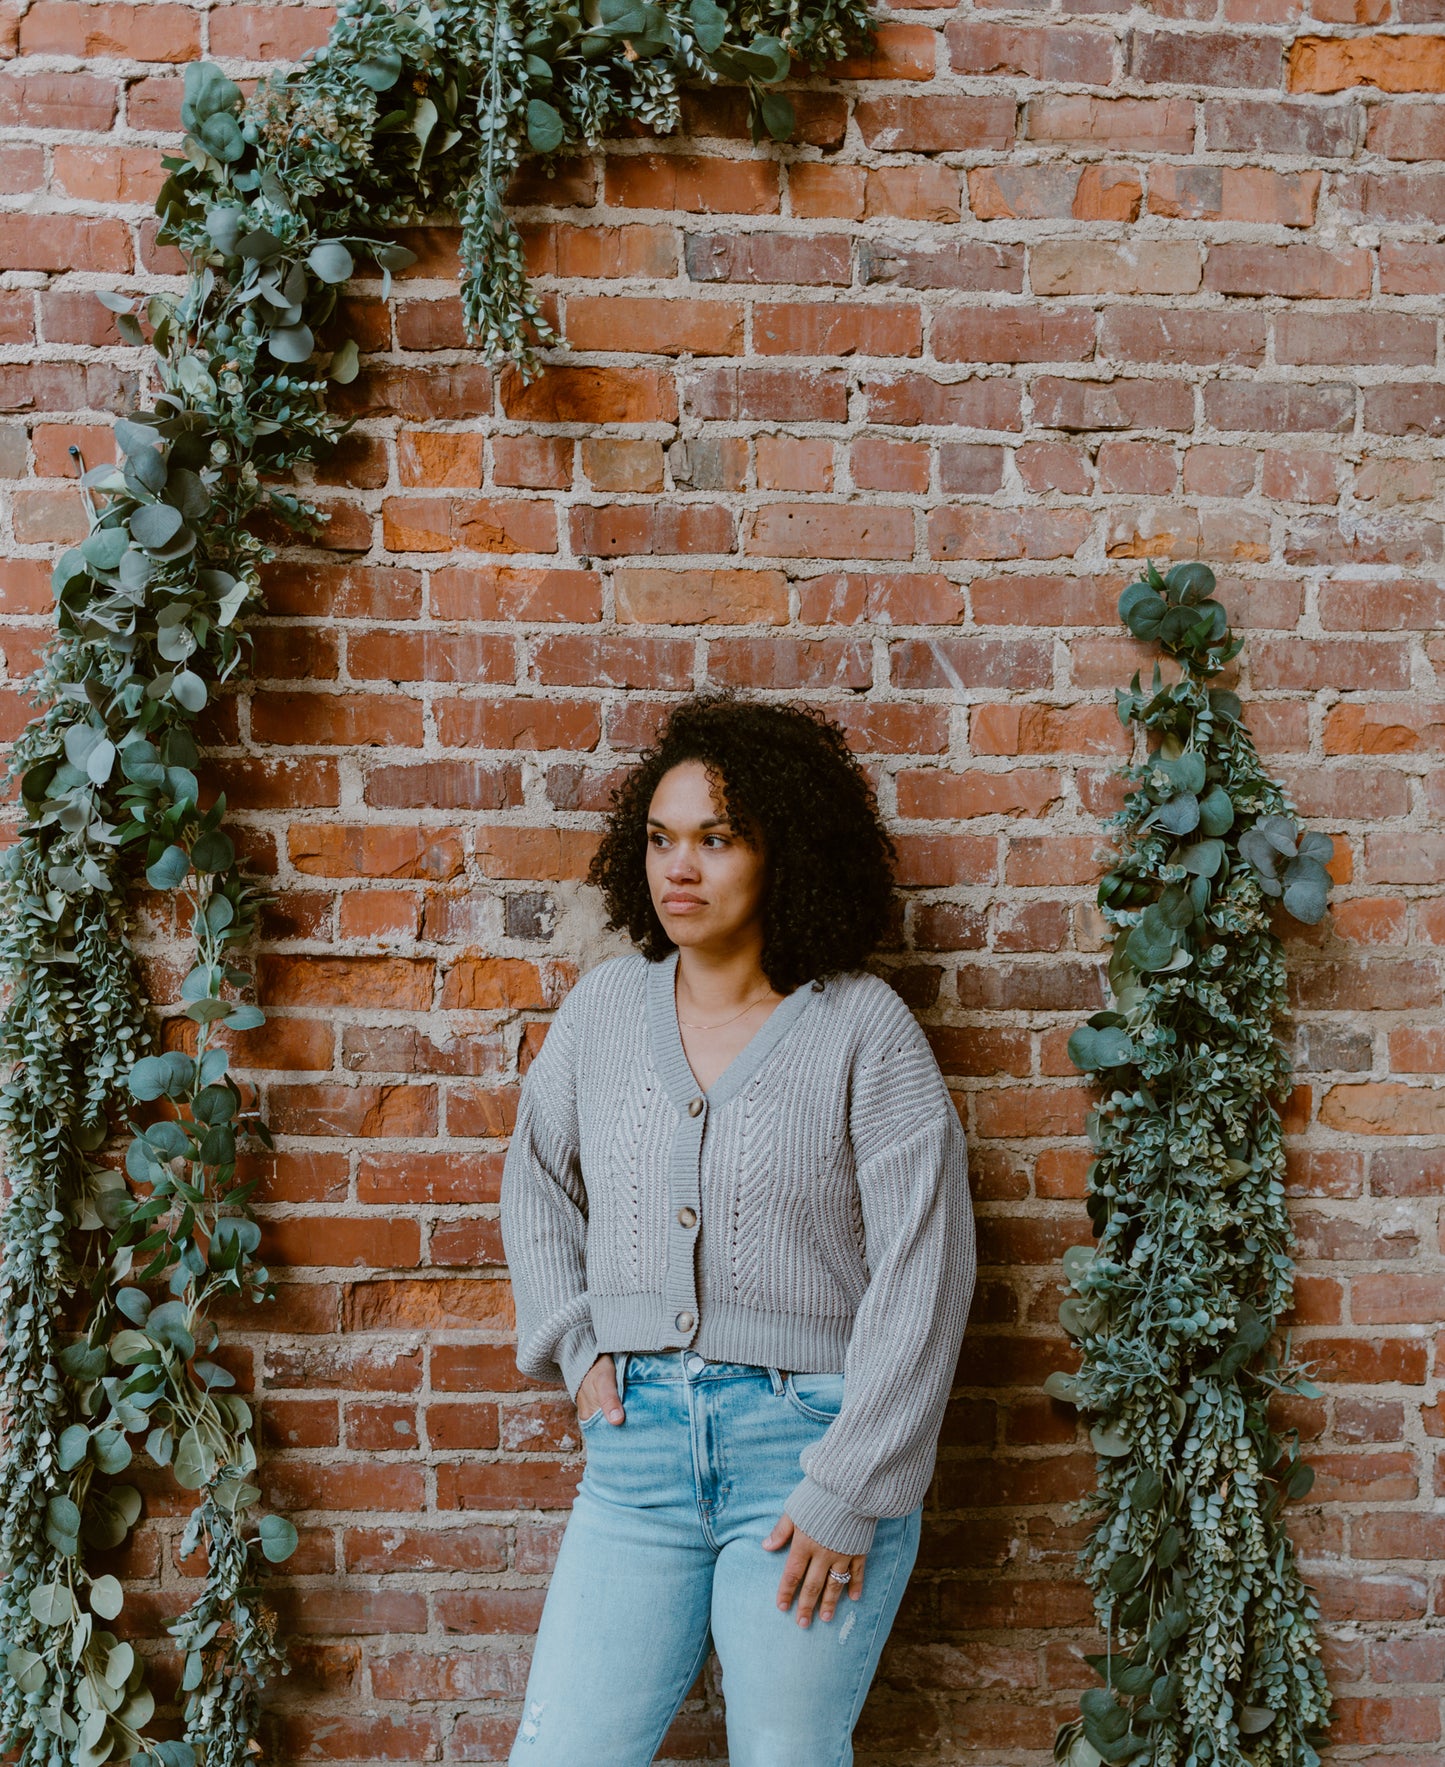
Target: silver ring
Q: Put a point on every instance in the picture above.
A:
(840, 1576)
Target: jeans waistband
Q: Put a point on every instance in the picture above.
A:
(634, 1366)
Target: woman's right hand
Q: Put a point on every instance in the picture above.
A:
(598, 1392)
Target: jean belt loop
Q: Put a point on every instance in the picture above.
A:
(621, 1362)
(775, 1378)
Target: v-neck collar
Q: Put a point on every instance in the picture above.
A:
(670, 1057)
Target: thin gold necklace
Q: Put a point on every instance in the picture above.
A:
(692, 1025)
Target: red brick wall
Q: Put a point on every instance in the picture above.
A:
(880, 421)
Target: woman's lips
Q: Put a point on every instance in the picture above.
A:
(682, 904)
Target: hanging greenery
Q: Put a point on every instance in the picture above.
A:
(1213, 1658)
(272, 203)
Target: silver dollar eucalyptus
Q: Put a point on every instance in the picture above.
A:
(1213, 1658)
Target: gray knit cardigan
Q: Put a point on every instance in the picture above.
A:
(809, 1211)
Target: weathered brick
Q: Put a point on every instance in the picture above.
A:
(1393, 63)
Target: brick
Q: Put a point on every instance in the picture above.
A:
(818, 191)
(966, 264)
(1298, 271)
(692, 184)
(905, 598)
(1392, 63)
(1394, 339)
(1211, 59)
(155, 32)
(723, 597)
(107, 175)
(1139, 125)
(383, 654)
(481, 524)
(1272, 125)
(57, 101)
(914, 193)
(1407, 131)
(58, 243)
(580, 660)
(655, 327)
(659, 528)
(634, 250)
(899, 51)
(993, 533)
(1054, 54)
(403, 984)
(794, 463)
(269, 33)
(838, 530)
(1074, 267)
(769, 395)
(514, 593)
(1045, 192)
(1012, 334)
(574, 393)
(970, 661)
(305, 719)
(1234, 193)
(837, 328)
(936, 124)
(979, 403)
(813, 258)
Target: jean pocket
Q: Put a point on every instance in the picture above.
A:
(819, 1397)
(592, 1417)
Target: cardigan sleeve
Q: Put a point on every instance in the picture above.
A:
(544, 1216)
(876, 1458)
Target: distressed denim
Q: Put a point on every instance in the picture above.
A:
(663, 1555)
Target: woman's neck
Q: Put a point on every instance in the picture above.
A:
(716, 982)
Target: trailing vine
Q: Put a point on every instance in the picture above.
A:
(271, 203)
(1213, 1656)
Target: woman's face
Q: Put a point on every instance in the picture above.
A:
(707, 883)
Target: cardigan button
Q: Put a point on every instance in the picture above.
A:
(694, 1105)
(687, 1217)
(684, 1322)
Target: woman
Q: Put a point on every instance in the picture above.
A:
(736, 1212)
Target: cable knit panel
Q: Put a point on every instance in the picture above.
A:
(808, 1211)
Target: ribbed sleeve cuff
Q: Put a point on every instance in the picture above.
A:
(575, 1355)
(828, 1520)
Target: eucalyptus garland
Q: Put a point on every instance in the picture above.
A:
(273, 200)
(1213, 1658)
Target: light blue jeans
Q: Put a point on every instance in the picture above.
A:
(663, 1553)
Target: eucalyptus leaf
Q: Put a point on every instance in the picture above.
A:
(330, 261)
(194, 1464)
(189, 690)
(545, 128)
(278, 1538)
(155, 525)
(51, 1604)
(291, 343)
(345, 363)
(27, 1670)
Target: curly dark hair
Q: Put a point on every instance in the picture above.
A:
(789, 784)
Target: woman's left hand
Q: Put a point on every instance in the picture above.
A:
(806, 1572)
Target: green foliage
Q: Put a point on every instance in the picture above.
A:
(273, 203)
(1213, 1656)
(424, 108)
